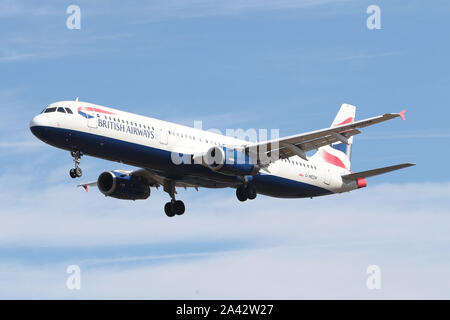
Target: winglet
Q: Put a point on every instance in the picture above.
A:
(87, 185)
(402, 115)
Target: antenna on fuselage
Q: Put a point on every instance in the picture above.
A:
(76, 99)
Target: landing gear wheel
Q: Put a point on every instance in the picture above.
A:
(251, 192)
(241, 194)
(178, 207)
(72, 173)
(168, 209)
(78, 172)
(174, 207)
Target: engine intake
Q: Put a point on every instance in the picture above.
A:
(122, 186)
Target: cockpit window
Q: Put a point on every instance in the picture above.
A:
(69, 111)
(61, 110)
(50, 110)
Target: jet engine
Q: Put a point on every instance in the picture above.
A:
(122, 186)
(226, 161)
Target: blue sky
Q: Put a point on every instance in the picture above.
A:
(233, 64)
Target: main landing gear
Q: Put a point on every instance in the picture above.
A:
(174, 207)
(246, 192)
(76, 172)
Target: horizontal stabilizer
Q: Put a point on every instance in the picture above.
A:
(375, 172)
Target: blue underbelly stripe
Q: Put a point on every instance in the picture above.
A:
(159, 161)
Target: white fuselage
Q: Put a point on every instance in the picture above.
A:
(105, 131)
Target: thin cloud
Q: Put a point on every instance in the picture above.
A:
(302, 248)
(14, 8)
(20, 144)
(160, 9)
(43, 46)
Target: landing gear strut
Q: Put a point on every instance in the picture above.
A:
(76, 172)
(174, 207)
(246, 192)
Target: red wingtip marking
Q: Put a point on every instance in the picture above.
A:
(402, 115)
(86, 188)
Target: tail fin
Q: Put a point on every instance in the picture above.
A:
(339, 153)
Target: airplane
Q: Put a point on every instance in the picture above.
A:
(176, 156)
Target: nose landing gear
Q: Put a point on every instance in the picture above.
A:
(76, 172)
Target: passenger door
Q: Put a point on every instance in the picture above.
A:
(162, 136)
(327, 176)
(92, 120)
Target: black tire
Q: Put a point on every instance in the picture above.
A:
(241, 194)
(78, 172)
(251, 192)
(178, 207)
(72, 173)
(168, 209)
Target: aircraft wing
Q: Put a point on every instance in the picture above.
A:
(144, 175)
(301, 143)
(155, 180)
(375, 172)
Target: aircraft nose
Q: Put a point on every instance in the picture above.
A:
(38, 121)
(37, 124)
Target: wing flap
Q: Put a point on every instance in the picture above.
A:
(155, 180)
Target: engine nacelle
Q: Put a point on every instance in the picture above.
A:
(227, 161)
(122, 186)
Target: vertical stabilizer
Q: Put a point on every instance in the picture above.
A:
(339, 153)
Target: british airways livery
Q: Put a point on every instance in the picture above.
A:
(175, 156)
